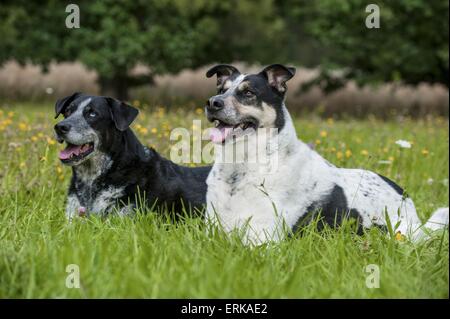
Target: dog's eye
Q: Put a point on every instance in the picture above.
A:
(67, 113)
(92, 114)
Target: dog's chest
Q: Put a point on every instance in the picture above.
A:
(235, 196)
(97, 198)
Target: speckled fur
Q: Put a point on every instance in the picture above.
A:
(121, 173)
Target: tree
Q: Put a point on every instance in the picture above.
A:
(411, 44)
(114, 36)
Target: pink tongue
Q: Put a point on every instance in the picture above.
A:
(68, 151)
(218, 135)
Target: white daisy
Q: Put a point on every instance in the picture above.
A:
(403, 144)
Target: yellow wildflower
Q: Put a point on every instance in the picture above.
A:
(425, 152)
(22, 165)
(23, 126)
(364, 152)
(154, 130)
(348, 153)
(161, 112)
(399, 236)
(34, 138)
(339, 155)
(143, 130)
(51, 141)
(323, 134)
(318, 141)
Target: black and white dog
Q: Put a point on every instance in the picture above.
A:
(303, 185)
(112, 170)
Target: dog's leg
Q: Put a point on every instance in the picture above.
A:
(127, 211)
(72, 207)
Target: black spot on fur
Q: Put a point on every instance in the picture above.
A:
(332, 211)
(233, 180)
(397, 188)
(234, 177)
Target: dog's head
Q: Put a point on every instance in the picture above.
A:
(90, 124)
(247, 102)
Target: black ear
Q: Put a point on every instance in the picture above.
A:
(122, 114)
(223, 71)
(61, 104)
(278, 75)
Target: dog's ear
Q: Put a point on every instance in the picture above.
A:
(278, 75)
(223, 71)
(61, 104)
(122, 114)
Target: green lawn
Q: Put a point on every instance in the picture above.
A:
(148, 257)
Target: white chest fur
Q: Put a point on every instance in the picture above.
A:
(91, 198)
(100, 203)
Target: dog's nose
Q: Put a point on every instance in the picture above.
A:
(214, 104)
(62, 128)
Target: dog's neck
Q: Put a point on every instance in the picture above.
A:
(287, 136)
(96, 166)
(126, 149)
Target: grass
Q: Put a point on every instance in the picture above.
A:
(149, 257)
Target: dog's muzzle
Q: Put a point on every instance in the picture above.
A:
(214, 104)
(61, 129)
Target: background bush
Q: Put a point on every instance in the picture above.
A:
(349, 69)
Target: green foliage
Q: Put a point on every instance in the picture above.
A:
(114, 36)
(411, 44)
(33, 31)
(168, 35)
